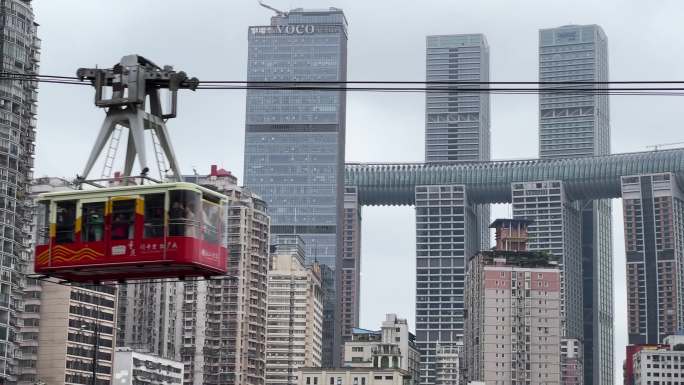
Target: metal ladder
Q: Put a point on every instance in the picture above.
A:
(111, 152)
(159, 155)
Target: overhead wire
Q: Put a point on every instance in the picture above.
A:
(393, 86)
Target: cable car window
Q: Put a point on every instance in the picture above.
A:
(93, 221)
(183, 213)
(66, 220)
(154, 216)
(123, 219)
(43, 221)
(210, 221)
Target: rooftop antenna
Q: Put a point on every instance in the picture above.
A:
(277, 11)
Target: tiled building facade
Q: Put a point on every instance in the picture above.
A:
(654, 243)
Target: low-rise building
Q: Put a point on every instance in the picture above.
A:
(393, 346)
(133, 368)
(664, 366)
(354, 376)
(447, 365)
(572, 372)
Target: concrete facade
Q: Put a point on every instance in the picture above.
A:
(295, 312)
(351, 264)
(448, 365)
(654, 244)
(513, 323)
(353, 376)
(446, 235)
(663, 366)
(132, 368)
(69, 318)
(555, 228)
(572, 372)
(59, 323)
(393, 346)
(223, 332)
(20, 56)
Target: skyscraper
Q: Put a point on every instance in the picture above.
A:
(20, 52)
(654, 243)
(555, 228)
(456, 123)
(457, 129)
(295, 139)
(446, 235)
(350, 296)
(572, 125)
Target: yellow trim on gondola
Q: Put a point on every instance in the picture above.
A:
(108, 208)
(140, 206)
(77, 225)
(123, 197)
(53, 230)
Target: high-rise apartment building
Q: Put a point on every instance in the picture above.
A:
(71, 323)
(513, 321)
(294, 329)
(62, 326)
(653, 208)
(572, 125)
(295, 139)
(571, 362)
(555, 228)
(393, 346)
(223, 332)
(446, 234)
(351, 264)
(147, 316)
(20, 52)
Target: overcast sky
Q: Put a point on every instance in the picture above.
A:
(208, 39)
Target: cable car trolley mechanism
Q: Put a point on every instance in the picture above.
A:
(132, 227)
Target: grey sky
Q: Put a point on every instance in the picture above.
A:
(208, 39)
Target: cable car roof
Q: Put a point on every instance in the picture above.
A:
(121, 190)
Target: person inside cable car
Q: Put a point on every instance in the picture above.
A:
(66, 219)
(119, 227)
(190, 221)
(176, 217)
(94, 225)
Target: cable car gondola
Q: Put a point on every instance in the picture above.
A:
(164, 230)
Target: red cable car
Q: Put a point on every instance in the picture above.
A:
(165, 230)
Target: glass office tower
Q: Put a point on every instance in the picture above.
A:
(457, 129)
(294, 139)
(573, 125)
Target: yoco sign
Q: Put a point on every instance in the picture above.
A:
(286, 29)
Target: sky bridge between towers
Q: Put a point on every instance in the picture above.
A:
(585, 178)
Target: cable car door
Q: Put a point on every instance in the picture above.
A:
(124, 228)
(91, 229)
